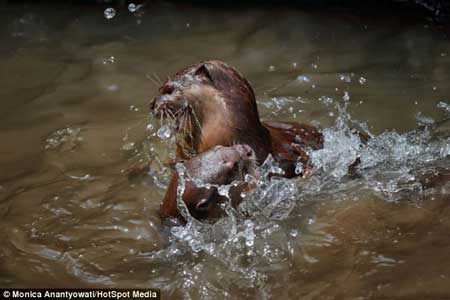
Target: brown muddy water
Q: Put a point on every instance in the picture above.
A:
(74, 93)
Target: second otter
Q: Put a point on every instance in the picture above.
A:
(217, 166)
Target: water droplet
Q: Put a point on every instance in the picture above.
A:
(314, 66)
(293, 233)
(188, 25)
(112, 88)
(132, 7)
(298, 168)
(294, 65)
(223, 190)
(362, 80)
(272, 69)
(303, 78)
(134, 108)
(164, 132)
(149, 128)
(109, 60)
(128, 146)
(346, 96)
(109, 13)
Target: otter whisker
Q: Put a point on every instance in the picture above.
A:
(157, 84)
(198, 122)
(184, 118)
(157, 77)
(161, 119)
(171, 118)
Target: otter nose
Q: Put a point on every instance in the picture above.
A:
(245, 151)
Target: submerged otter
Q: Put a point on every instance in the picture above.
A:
(212, 104)
(217, 166)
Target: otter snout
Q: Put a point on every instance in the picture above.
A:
(158, 105)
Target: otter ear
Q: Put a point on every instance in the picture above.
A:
(204, 71)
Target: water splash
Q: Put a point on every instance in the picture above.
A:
(249, 244)
(64, 139)
(445, 107)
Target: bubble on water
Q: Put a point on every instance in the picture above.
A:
(303, 78)
(362, 80)
(272, 68)
(314, 66)
(294, 65)
(109, 13)
(164, 132)
(149, 128)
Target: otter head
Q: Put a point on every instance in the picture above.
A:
(211, 94)
(218, 166)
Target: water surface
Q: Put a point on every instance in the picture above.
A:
(74, 120)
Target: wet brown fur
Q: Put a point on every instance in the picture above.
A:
(203, 203)
(225, 105)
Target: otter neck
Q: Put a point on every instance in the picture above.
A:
(222, 124)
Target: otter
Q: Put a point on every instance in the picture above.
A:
(217, 166)
(212, 104)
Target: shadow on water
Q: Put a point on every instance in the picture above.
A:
(74, 121)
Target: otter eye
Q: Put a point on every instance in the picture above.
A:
(168, 89)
